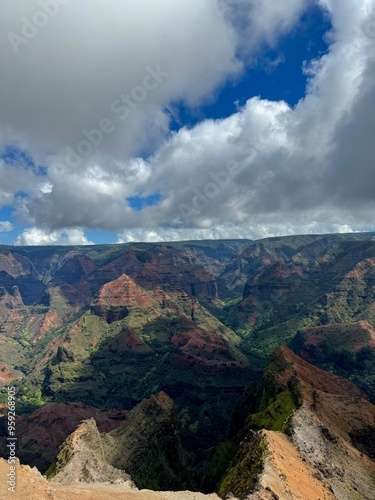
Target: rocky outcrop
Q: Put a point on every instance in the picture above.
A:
(31, 485)
(147, 445)
(81, 459)
(42, 432)
(123, 292)
(327, 452)
(272, 469)
(114, 299)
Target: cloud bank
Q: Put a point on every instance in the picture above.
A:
(267, 169)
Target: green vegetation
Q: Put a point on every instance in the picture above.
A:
(240, 479)
(276, 416)
(217, 466)
(236, 462)
(245, 299)
(25, 338)
(29, 400)
(51, 470)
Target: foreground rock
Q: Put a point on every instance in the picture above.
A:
(38, 446)
(146, 446)
(82, 460)
(286, 474)
(31, 485)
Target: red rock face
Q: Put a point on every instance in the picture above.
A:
(116, 297)
(128, 341)
(169, 269)
(7, 376)
(204, 347)
(123, 292)
(365, 266)
(350, 336)
(51, 320)
(342, 410)
(314, 377)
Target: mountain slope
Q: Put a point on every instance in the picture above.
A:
(146, 445)
(331, 429)
(109, 326)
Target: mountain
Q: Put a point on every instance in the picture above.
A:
(296, 282)
(109, 326)
(146, 445)
(38, 446)
(96, 331)
(344, 348)
(328, 447)
(310, 435)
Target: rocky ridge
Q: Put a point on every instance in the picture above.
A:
(33, 486)
(146, 445)
(81, 459)
(328, 445)
(39, 446)
(112, 325)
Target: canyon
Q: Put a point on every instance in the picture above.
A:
(192, 366)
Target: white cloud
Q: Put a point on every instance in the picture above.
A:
(251, 231)
(305, 156)
(6, 227)
(35, 236)
(304, 169)
(75, 78)
(259, 23)
(13, 179)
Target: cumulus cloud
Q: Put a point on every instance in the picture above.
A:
(35, 236)
(307, 168)
(13, 179)
(6, 226)
(91, 53)
(314, 161)
(261, 23)
(253, 231)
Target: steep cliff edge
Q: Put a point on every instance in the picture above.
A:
(328, 445)
(146, 446)
(38, 446)
(81, 459)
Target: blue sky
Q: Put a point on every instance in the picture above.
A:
(276, 75)
(284, 79)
